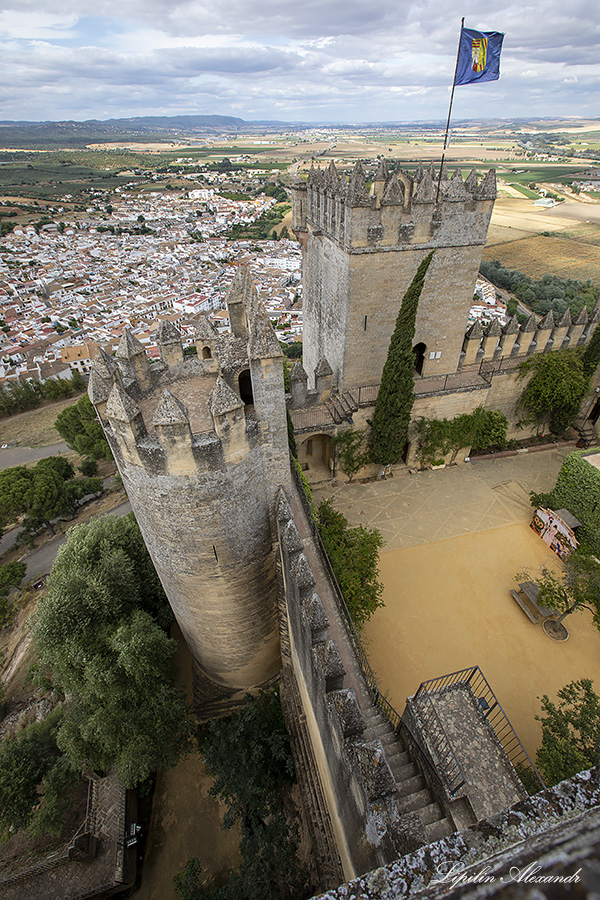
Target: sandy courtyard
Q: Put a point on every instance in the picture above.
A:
(455, 540)
(448, 607)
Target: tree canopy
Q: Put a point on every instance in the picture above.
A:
(99, 638)
(22, 395)
(556, 388)
(545, 294)
(570, 732)
(576, 587)
(25, 760)
(79, 427)
(391, 418)
(248, 755)
(42, 492)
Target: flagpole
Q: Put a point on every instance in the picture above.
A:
(437, 196)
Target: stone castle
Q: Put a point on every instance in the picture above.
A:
(201, 444)
(361, 251)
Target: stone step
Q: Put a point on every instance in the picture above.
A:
(435, 831)
(408, 786)
(398, 760)
(418, 801)
(378, 730)
(431, 813)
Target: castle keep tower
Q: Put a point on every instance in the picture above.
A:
(363, 249)
(201, 445)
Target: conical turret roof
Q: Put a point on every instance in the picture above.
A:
(171, 411)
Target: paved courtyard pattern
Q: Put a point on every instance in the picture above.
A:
(443, 503)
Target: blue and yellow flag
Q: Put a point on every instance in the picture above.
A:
(478, 56)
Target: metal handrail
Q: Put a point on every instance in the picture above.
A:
(491, 710)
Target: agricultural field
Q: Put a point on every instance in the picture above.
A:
(540, 255)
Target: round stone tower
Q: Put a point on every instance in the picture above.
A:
(201, 445)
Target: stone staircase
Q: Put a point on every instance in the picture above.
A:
(341, 406)
(413, 793)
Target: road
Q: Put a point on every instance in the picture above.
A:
(17, 456)
(39, 562)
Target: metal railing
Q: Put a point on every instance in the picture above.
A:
(491, 710)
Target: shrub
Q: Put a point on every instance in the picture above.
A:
(354, 555)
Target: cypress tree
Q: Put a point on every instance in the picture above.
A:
(396, 394)
(591, 354)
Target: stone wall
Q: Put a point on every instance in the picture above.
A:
(557, 830)
(353, 775)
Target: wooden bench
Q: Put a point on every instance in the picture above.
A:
(522, 601)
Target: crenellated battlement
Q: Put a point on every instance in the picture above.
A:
(371, 823)
(201, 444)
(515, 341)
(400, 210)
(201, 407)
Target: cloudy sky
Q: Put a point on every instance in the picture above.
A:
(292, 60)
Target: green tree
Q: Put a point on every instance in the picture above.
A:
(11, 576)
(591, 354)
(570, 732)
(25, 760)
(555, 390)
(248, 755)
(88, 467)
(291, 435)
(39, 493)
(391, 418)
(81, 430)
(354, 555)
(351, 452)
(100, 640)
(576, 587)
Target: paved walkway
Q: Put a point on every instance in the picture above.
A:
(443, 503)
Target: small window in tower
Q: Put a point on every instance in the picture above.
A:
(365, 325)
(215, 552)
(206, 353)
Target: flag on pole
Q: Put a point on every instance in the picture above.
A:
(478, 56)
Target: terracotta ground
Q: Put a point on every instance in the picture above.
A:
(456, 538)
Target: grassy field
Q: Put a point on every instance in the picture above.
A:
(554, 254)
(34, 428)
(533, 195)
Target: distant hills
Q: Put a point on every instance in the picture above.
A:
(53, 135)
(161, 129)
